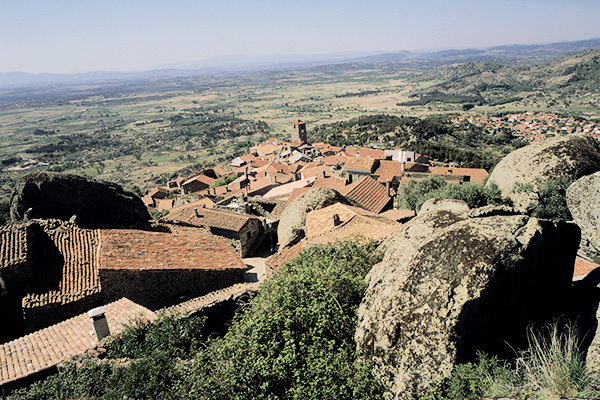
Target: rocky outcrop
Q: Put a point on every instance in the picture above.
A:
(583, 199)
(451, 284)
(568, 156)
(447, 204)
(293, 218)
(95, 204)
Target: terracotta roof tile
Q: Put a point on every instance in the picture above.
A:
(332, 182)
(308, 172)
(360, 164)
(189, 248)
(297, 192)
(583, 266)
(218, 296)
(198, 216)
(50, 346)
(368, 193)
(288, 188)
(70, 268)
(397, 215)
(13, 245)
(371, 153)
(476, 175)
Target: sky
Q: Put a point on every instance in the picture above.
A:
(62, 36)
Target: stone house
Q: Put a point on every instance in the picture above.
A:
(243, 231)
(53, 270)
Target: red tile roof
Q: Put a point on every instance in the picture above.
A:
(332, 182)
(368, 193)
(397, 215)
(477, 175)
(583, 266)
(13, 245)
(313, 171)
(219, 171)
(207, 180)
(360, 164)
(212, 298)
(371, 153)
(186, 249)
(70, 258)
(48, 347)
(319, 221)
(197, 216)
(297, 192)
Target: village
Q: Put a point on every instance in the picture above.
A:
(65, 288)
(533, 127)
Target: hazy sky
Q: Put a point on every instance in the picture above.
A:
(80, 36)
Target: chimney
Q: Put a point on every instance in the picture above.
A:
(387, 188)
(324, 176)
(275, 178)
(100, 324)
(336, 220)
(403, 167)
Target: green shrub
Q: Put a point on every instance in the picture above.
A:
(295, 340)
(414, 193)
(551, 196)
(170, 334)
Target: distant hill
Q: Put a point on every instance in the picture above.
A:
(504, 55)
(515, 54)
(575, 76)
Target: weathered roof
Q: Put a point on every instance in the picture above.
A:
(388, 170)
(13, 245)
(185, 249)
(397, 215)
(368, 193)
(360, 164)
(476, 175)
(319, 221)
(198, 216)
(288, 187)
(68, 267)
(219, 171)
(207, 180)
(297, 192)
(332, 182)
(48, 347)
(583, 266)
(371, 153)
(318, 170)
(218, 296)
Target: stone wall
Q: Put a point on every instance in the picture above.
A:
(241, 241)
(159, 288)
(40, 317)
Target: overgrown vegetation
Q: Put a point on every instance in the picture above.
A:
(416, 192)
(551, 367)
(4, 212)
(435, 135)
(294, 340)
(551, 198)
(226, 180)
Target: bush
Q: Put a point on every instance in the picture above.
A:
(414, 193)
(144, 338)
(552, 198)
(295, 340)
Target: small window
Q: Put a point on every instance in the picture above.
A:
(249, 235)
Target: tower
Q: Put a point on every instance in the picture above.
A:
(300, 134)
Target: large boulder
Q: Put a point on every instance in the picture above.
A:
(583, 199)
(567, 156)
(293, 218)
(473, 283)
(447, 204)
(95, 204)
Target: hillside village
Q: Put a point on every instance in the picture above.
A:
(66, 286)
(533, 127)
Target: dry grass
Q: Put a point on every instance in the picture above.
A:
(553, 363)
